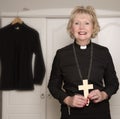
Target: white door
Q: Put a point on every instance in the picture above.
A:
(57, 37)
(110, 37)
(27, 104)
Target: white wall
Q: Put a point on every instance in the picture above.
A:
(19, 5)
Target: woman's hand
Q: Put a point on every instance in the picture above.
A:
(76, 101)
(97, 96)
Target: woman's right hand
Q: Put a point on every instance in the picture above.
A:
(78, 101)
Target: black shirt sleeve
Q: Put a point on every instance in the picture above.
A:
(55, 82)
(110, 78)
(39, 66)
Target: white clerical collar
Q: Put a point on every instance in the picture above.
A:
(83, 47)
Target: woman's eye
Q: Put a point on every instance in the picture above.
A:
(87, 23)
(76, 23)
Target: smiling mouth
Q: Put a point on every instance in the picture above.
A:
(82, 33)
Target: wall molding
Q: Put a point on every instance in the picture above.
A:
(55, 13)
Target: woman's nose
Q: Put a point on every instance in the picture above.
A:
(81, 26)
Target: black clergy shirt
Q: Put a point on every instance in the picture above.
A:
(18, 43)
(64, 79)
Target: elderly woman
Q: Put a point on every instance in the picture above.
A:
(83, 63)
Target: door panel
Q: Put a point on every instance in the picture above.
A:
(110, 37)
(27, 104)
(57, 37)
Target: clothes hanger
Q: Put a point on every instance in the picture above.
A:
(17, 20)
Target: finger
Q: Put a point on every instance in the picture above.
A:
(80, 102)
(96, 101)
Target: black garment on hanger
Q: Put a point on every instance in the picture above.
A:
(18, 43)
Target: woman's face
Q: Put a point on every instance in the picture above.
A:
(82, 28)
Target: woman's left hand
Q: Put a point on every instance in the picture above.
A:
(97, 96)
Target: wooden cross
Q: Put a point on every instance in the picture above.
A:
(85, 87)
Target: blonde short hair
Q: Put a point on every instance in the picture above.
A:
(84, 10)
